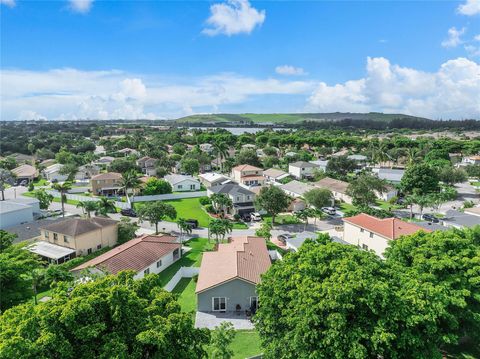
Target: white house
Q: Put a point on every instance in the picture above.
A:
(471, 160)
(372, 233)
(274, 175)
(321, 164)
(206, 147)
(144, 255)
(52, 173)
(182, 183)
(212, 179)
(296, 188)
(302, 169)
(337, 187)
(386, 196)
(86, 172)
(14, 212)
(391, 175)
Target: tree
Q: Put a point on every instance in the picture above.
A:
(247, 156)
(450, 175)
(123, 165)
(6, 239)
(330, 300)
(220, 149)
(69, 169)
(105, 206)
(62, 188)
(129, 181)
(126, 230)
(87, 207)
(264, 231)
(190, 166)
(420, 179)
(155, 212)
(364, 189)
(221, 201)
(44, 198)
(184, 226)
(112, 316)
(156, 186)
(340, 166)
(318, 197)
(273, 200)
(219, 228)
(6, 178)
(220, 341)
(303, 216)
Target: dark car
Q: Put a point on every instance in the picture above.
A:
(23, 183)
(128, 212)
(246, 217)
(193, 223)
(430, 218)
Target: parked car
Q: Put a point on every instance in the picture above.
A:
(430, 218)
(128, 212)
(193, 223)
(255, 216)
(246, 217)
(329, 210)
(284, 237)
(23, 183)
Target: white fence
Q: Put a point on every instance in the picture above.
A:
(183, 272)
(77, 197)
(169, 196)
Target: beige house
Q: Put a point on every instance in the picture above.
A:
(248, 175)
(338, 188)
(25, 172)
(79, 236)
(106, 184)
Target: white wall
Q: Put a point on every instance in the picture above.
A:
(185, 186)
(354, 235)
(16, 217)
(295, 171)
(167, 260)
(183, 272)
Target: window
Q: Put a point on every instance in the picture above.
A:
(146, 271)
(46, 234)
(55, 237)
(89, 250)
(192, 186)
(238, 199)
(253, 303)
(364, 247)
(99, 246)
(219, 304)
(159, 263)
(371, 234)
(180, 186)
(248, 197)
(362, 230)
(65, 239)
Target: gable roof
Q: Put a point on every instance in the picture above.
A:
(391, 228)
(389, 174)
(244, 258)
(107, 176)
(246, 168)
(332, 184)
(136, 254)
(296, 187)
(25, 171)
(304, 164)
(274, 173)
(231, 189)
(77, 226)
(213, 177)
(174, 178)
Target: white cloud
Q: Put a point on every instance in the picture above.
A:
(477, 37)
(472, 50)
(9, 3)
(469, 8)
(451, 92)
(233, 17)
(289, 70)
(81, 6)
(454, 37)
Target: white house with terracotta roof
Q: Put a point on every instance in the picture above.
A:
(372, 233)
(144, 255)
(228, 276)
(248, 175)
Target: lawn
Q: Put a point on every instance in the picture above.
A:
(388, 206)
(344, 207)
(191, 259)
(186, 291)
(69, 201)
(281, 219)
(245, 344)
(40, 182)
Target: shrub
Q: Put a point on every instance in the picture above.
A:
(204, 200)
(209, 208)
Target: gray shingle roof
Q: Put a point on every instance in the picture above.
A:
(303, 164)
(77, 226)
(232, 189)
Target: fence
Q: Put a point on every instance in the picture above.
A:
(169, 196)
(183, 272)
(80, 198)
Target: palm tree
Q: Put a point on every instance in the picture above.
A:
(62, 188)
(184, 227)
(413, 155)
(105, 205)
(87, 207)
(221, 152)
(219, 228)
(130, 181)
(221, 201)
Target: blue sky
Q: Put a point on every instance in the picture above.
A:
(152, 59)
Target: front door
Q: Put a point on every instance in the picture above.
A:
(253, 304)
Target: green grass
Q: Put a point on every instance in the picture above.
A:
(281, 219)
(245, 344)
(476, 184)
(388, 206)
(46, 293)
(344, 207)
(40, 182)
(69, 201)
(239, 225)
(191, 259)
(186, 294)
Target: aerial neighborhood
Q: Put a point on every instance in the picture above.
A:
(229, 224)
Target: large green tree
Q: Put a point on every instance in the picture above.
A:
(364, 188)
(44, 198)
(155, 212)
(273, 200)
(318, 197)
(156, 186)
(340, 166)
(420, 179)
(111, 317)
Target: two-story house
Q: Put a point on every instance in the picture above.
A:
(248, 175)
(242, 198)
(53, 173)
(302, 169)
(147, 165)
(107, 184)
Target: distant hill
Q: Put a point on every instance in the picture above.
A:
(289, 118)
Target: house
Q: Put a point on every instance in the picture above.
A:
(296, 205)
(248, 175)
(79, 235)
(296, 188)
(52, 173)
(358, 158)
(128, 152)
(212, 179)
(371, 233)
(30, 231)
(86, 172)
(460, 220)
(181, 183)
(321, 164)
(147, 165)
(295, 242)
(386, 196)
(107, 184)
(274, 175)
(206, 147)
(249, 146)
(228, 276)
(105, 161)
(302, 169)
(17, 211)
(47, 162)
(99, 150)
(242, 198)
(144, 255)
(391, 175)
(471, 160)
(337, 187)
(25, 172)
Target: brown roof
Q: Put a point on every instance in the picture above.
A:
(391, 228)
(274, 172)
(107, 176)
(77, 226)
(25, 171)
(137, 254)
(332, 184)
(244, 258)
(246, 168)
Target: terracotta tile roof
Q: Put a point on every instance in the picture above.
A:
(107, 176)
(391, 228)
(77, 226)
(244, 258)
(136, 254)
(25, 171)
(246, 168)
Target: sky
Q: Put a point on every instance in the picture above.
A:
(93, 59)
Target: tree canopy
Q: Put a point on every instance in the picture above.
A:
(273, 200)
